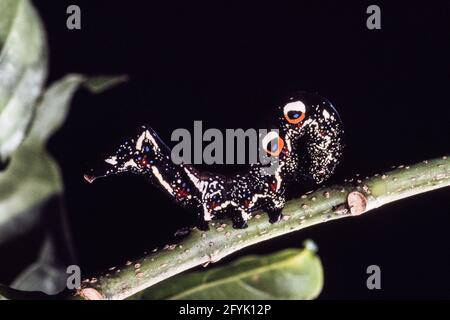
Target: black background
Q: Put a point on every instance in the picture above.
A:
(227, 64)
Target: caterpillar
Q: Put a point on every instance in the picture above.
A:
(303, 117)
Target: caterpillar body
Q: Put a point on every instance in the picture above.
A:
(306, 117)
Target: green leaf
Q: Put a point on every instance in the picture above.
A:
(53, 109)
(99, 84)
(288, 274)
(23, 70)
(47, 274)
(7, 293)
(32, 179)
(32, 176)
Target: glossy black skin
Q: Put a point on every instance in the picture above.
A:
(211, 195)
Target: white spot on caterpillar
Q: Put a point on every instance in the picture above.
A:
(206, 213)
(146, 135)
(161, 179)
(112, 161)
(130, 163)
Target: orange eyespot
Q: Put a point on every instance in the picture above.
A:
(295, 119)
(294, 112)
(273, 144)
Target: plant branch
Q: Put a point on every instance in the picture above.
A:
(352, 198)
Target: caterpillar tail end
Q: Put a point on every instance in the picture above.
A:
(93, 174)
(89, 178)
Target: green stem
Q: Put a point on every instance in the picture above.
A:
(352, 198)
(200, 248)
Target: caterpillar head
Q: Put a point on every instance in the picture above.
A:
(313, 120)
